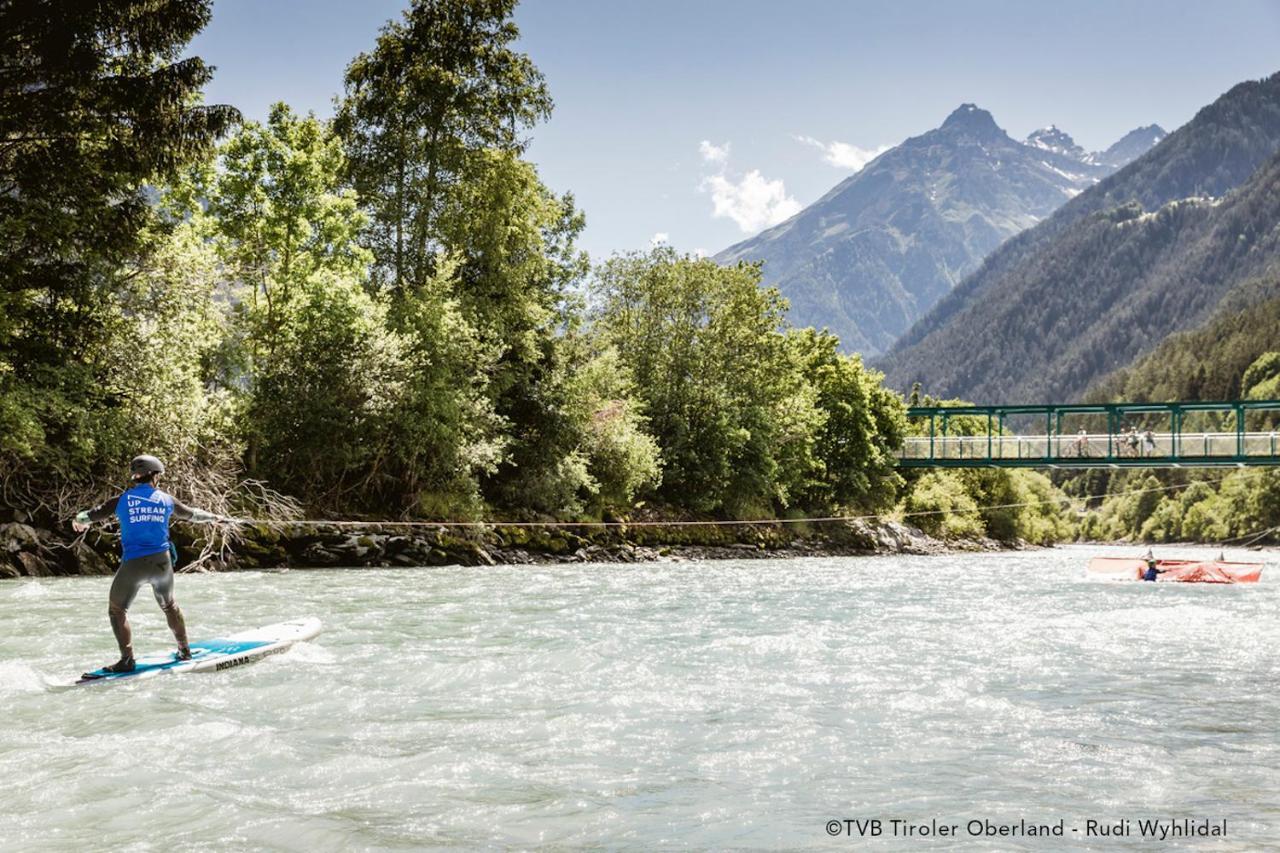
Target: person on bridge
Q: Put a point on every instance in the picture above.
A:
(143, 512)
(1082, 443)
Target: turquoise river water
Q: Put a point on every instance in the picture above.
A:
(719, 705)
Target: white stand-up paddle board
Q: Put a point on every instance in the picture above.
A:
(215, 655)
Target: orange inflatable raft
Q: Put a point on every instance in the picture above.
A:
(1182, 571)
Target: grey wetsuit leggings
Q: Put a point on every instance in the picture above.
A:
(154, 569)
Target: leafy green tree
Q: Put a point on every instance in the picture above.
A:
(94, 105)
(1261, 381)
(514, 241)
(442, 431)
(285, 230)
(622, 459)
(940, 505)
(722, 385)
(318, 399)
(281, 216)
(159, 364)
(350, 399)
(431, 119)
(863, 424)
(442, 87)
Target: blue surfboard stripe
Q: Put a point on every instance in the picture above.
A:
(199, 651)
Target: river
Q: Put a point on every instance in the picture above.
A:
(736, 704)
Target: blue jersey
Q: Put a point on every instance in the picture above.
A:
(144, 513)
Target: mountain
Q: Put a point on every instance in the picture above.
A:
(878, 250)
(1129, 147)
(1058, 141)
(1209, 362)
(1151, 250)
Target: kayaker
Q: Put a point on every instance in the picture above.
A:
(1152, 572)
(144, 512)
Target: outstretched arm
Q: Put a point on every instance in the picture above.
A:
(182, 512)
(101, 512)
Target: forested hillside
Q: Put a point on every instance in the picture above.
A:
(1146, 252)
(1236, 355)
(1206, 363)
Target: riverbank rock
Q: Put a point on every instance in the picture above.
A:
(27, 550)
(34, 565)
(15, 537)
(80, 559)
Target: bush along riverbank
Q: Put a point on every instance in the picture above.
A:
(32, 551)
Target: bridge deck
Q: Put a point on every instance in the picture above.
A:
(1150, 435)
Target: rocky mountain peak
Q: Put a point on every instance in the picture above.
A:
(880, 248)
(1132, 145)
(1053, 138)
(972, 120)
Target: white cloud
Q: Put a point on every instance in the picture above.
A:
(713, 153)
(662, 238)
(842, 155)
(753, 202)
(700, 252)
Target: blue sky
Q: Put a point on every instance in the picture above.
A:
(704, 120)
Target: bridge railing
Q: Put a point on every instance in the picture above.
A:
(1242, 432)
(1098, 446)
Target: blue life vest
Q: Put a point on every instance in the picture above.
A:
(144, 513)
(1150, 574)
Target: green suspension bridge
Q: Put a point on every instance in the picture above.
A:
(1120, 435)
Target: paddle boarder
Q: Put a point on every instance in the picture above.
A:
(144, 512)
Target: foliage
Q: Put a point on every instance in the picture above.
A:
(720, 381)
(441, 432)
(441, 88)
(95, 106)
(385, 312)
(862, 424)
(319, 391)
(940, 505)
(1195, 507)
(158, 361)
(282, 219)
(1047, 517)
(1007, 505)
(346, 400)
(515, 243)
(1208, 362)
(431, 121)
(622, 458)
(1261, 381)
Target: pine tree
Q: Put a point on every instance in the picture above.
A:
(94, 104)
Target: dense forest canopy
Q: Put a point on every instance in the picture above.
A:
(385, 314)
(97, 105)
